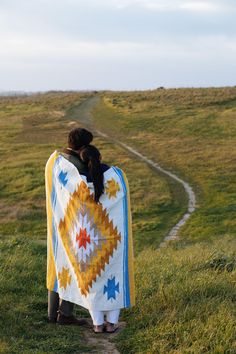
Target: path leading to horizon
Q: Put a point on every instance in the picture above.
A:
(83, 114)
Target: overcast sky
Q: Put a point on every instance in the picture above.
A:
(116, 44)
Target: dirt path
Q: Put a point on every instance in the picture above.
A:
(82, 113)
(104, 343)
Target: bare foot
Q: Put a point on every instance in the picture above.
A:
(98, 329)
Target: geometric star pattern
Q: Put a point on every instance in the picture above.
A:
(83, 238)
(64, 278)
(112, 187)
(111, 288)
(63, 178)
(102, 239)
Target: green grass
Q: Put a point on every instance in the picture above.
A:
(23, 317)
(154, 207)
(186, 293)
(31, 129)
(190, 132)
(186, 301)
(22, 189)
(183, 307)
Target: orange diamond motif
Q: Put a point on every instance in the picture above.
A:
(82, 203)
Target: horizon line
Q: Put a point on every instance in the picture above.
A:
(29, 92)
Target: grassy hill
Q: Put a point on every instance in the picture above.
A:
(185, 294)
(191, 132)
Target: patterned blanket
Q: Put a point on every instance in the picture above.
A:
(90, 253)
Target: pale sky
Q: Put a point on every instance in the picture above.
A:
(116, 44)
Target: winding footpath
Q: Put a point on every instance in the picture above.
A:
(173, 233)
(83, 114)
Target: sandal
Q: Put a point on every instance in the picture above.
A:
(111, 327)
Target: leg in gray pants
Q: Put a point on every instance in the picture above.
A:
(56, 304)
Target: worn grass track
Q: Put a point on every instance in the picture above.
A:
(83, 114)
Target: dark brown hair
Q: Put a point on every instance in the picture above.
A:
(78, 137)
(91, 156)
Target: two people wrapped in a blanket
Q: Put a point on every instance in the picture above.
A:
(89, 249)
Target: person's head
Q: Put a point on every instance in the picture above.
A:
(91, 156)
(79, 137)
